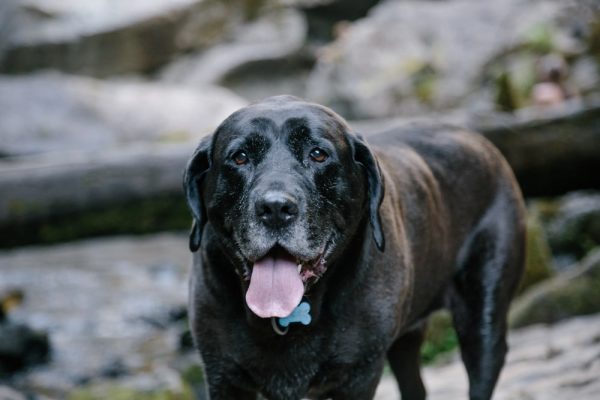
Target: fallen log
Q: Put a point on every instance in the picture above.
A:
(553, 155)
(550, 155)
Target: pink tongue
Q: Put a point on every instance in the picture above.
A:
(275, 289)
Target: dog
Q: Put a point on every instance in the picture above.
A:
(317, 255)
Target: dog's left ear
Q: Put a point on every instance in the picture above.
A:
(193, 176)
(364, 157)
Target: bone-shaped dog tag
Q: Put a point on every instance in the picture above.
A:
(300, 314)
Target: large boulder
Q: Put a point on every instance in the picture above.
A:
(574, 227)
(415, 56)
(21, 347)
(271, 39)
(59, 113)
(73, 143)
(106, 37)
(571, 293)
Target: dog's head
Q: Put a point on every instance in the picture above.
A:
(284, 185)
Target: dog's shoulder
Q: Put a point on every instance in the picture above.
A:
(432, 141)
(445, 151)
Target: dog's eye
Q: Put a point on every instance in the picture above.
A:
(240, 158)
(318, 155)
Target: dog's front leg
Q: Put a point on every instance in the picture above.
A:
(361, 382)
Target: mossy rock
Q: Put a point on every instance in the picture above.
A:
(572, 293)
(160, 213)
(538, 260)
(575, 228)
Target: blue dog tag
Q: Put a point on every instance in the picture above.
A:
(300, 314)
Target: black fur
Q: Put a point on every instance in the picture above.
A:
(415, 220)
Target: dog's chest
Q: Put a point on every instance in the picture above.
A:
(300, 379)
(281, 374)
(312, 366)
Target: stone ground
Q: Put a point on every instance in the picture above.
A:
(108, 305)
(544, 363)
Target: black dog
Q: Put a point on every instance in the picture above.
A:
(295, 214)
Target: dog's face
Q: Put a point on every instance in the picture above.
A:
(283, 185)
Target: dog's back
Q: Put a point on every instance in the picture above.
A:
(461, 212)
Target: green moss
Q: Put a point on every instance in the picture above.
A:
(440, 338)
(252, 8)
(506, 98)
(193, 375)
(538, 260)
(546, 209)
(136, 217)
(193, 378)
(594, 39)
(524, 77)
(424, 83)
(102, 392)
(539, 38)
(17, 209)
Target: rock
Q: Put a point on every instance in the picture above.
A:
(391, 63)
(569, 137)
(275, 36)
(261, 79)
(96, 191)
(7, 393)
(586, 75)
(66, 113)
(574, 229)
(123, 278)
(538, 260)
(323, 15)
(92, 297)
(571, 293)
(543, 363)
(107, 37)
(21, 347)
(130, 191)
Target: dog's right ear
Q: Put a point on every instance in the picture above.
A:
(193, 176)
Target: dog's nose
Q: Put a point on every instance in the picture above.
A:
(276, 209)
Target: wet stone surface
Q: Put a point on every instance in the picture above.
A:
(552, 362)
(112, 309)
